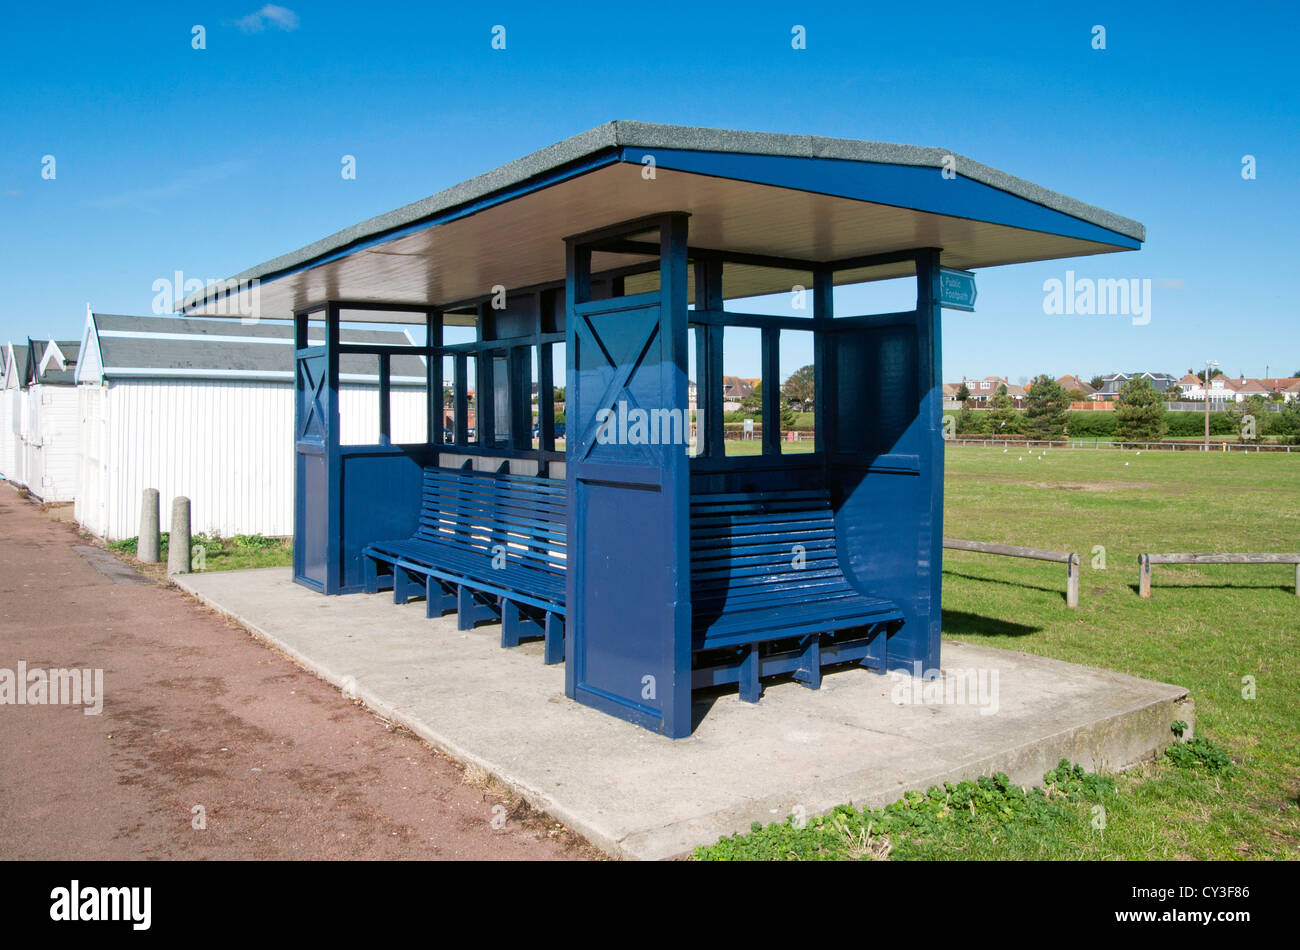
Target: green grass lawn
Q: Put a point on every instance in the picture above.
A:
(241, 552)
(755, 447)
(1206, 628)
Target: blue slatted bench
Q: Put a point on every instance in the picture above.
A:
(488, 545)
(764, 569)
(766, 583)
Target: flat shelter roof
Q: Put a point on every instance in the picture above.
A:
(789, 196)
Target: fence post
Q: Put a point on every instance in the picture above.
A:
(1297, 579)
(178, 544)
(1072, 581)
(1144, 576)
(148, 543)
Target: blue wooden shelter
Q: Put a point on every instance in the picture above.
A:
(650, 559)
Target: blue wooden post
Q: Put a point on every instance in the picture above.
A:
(433, 379)
(924, 642)
(333, 457)
(628, 637)
(312, 429)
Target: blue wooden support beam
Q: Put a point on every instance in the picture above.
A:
(771, 391)
(385, 399)
(460, 398)
(433, 377)
(708, 360)
(823, 358)
(333, 516)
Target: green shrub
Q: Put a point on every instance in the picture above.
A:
(1089, 424)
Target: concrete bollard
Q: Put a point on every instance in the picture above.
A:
(147, 545)
(178, 544)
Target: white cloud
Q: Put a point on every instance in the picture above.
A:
(271, 14)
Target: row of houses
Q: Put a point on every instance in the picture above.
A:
(1190, 387)
(200, 407)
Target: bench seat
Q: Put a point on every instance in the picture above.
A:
(489, 545)
(766, 583)
(764, 568)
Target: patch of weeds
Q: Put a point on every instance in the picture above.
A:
(909, 827)
(255, 542)
(131, 546)
(1200, 754)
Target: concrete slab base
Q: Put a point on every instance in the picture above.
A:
(862, 738)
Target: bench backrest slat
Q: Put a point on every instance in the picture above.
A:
(524, 514)
(743, 547)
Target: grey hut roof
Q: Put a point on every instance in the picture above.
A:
(20, 363)
(165, 346)
(53, 376)
(35, 352)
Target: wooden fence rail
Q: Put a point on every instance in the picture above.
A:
(1146, 560)
(1069, 558)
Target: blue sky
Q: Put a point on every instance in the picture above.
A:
(209, 161)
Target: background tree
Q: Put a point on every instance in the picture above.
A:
(1096, 382)
(1286, 426)
(1046, 409)
(1248, 418)
(963, 394)
(1139, 412)
(1213, 373)
(799, 389)
(1002, 413)
(752, 403)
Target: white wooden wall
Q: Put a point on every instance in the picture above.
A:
(226, 445)
(8, 407)
(52, 443)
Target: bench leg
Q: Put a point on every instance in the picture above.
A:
(877, 641)
(406, 585)
(470, 608)
(554, 639)
(810, 665)
(512, 623)
(375, 581)
(437, 601)
(751, 688)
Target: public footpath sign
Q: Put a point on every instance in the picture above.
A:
(956, 289)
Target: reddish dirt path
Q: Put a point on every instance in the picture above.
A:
(198, 712)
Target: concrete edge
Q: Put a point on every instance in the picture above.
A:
(1024, 764)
